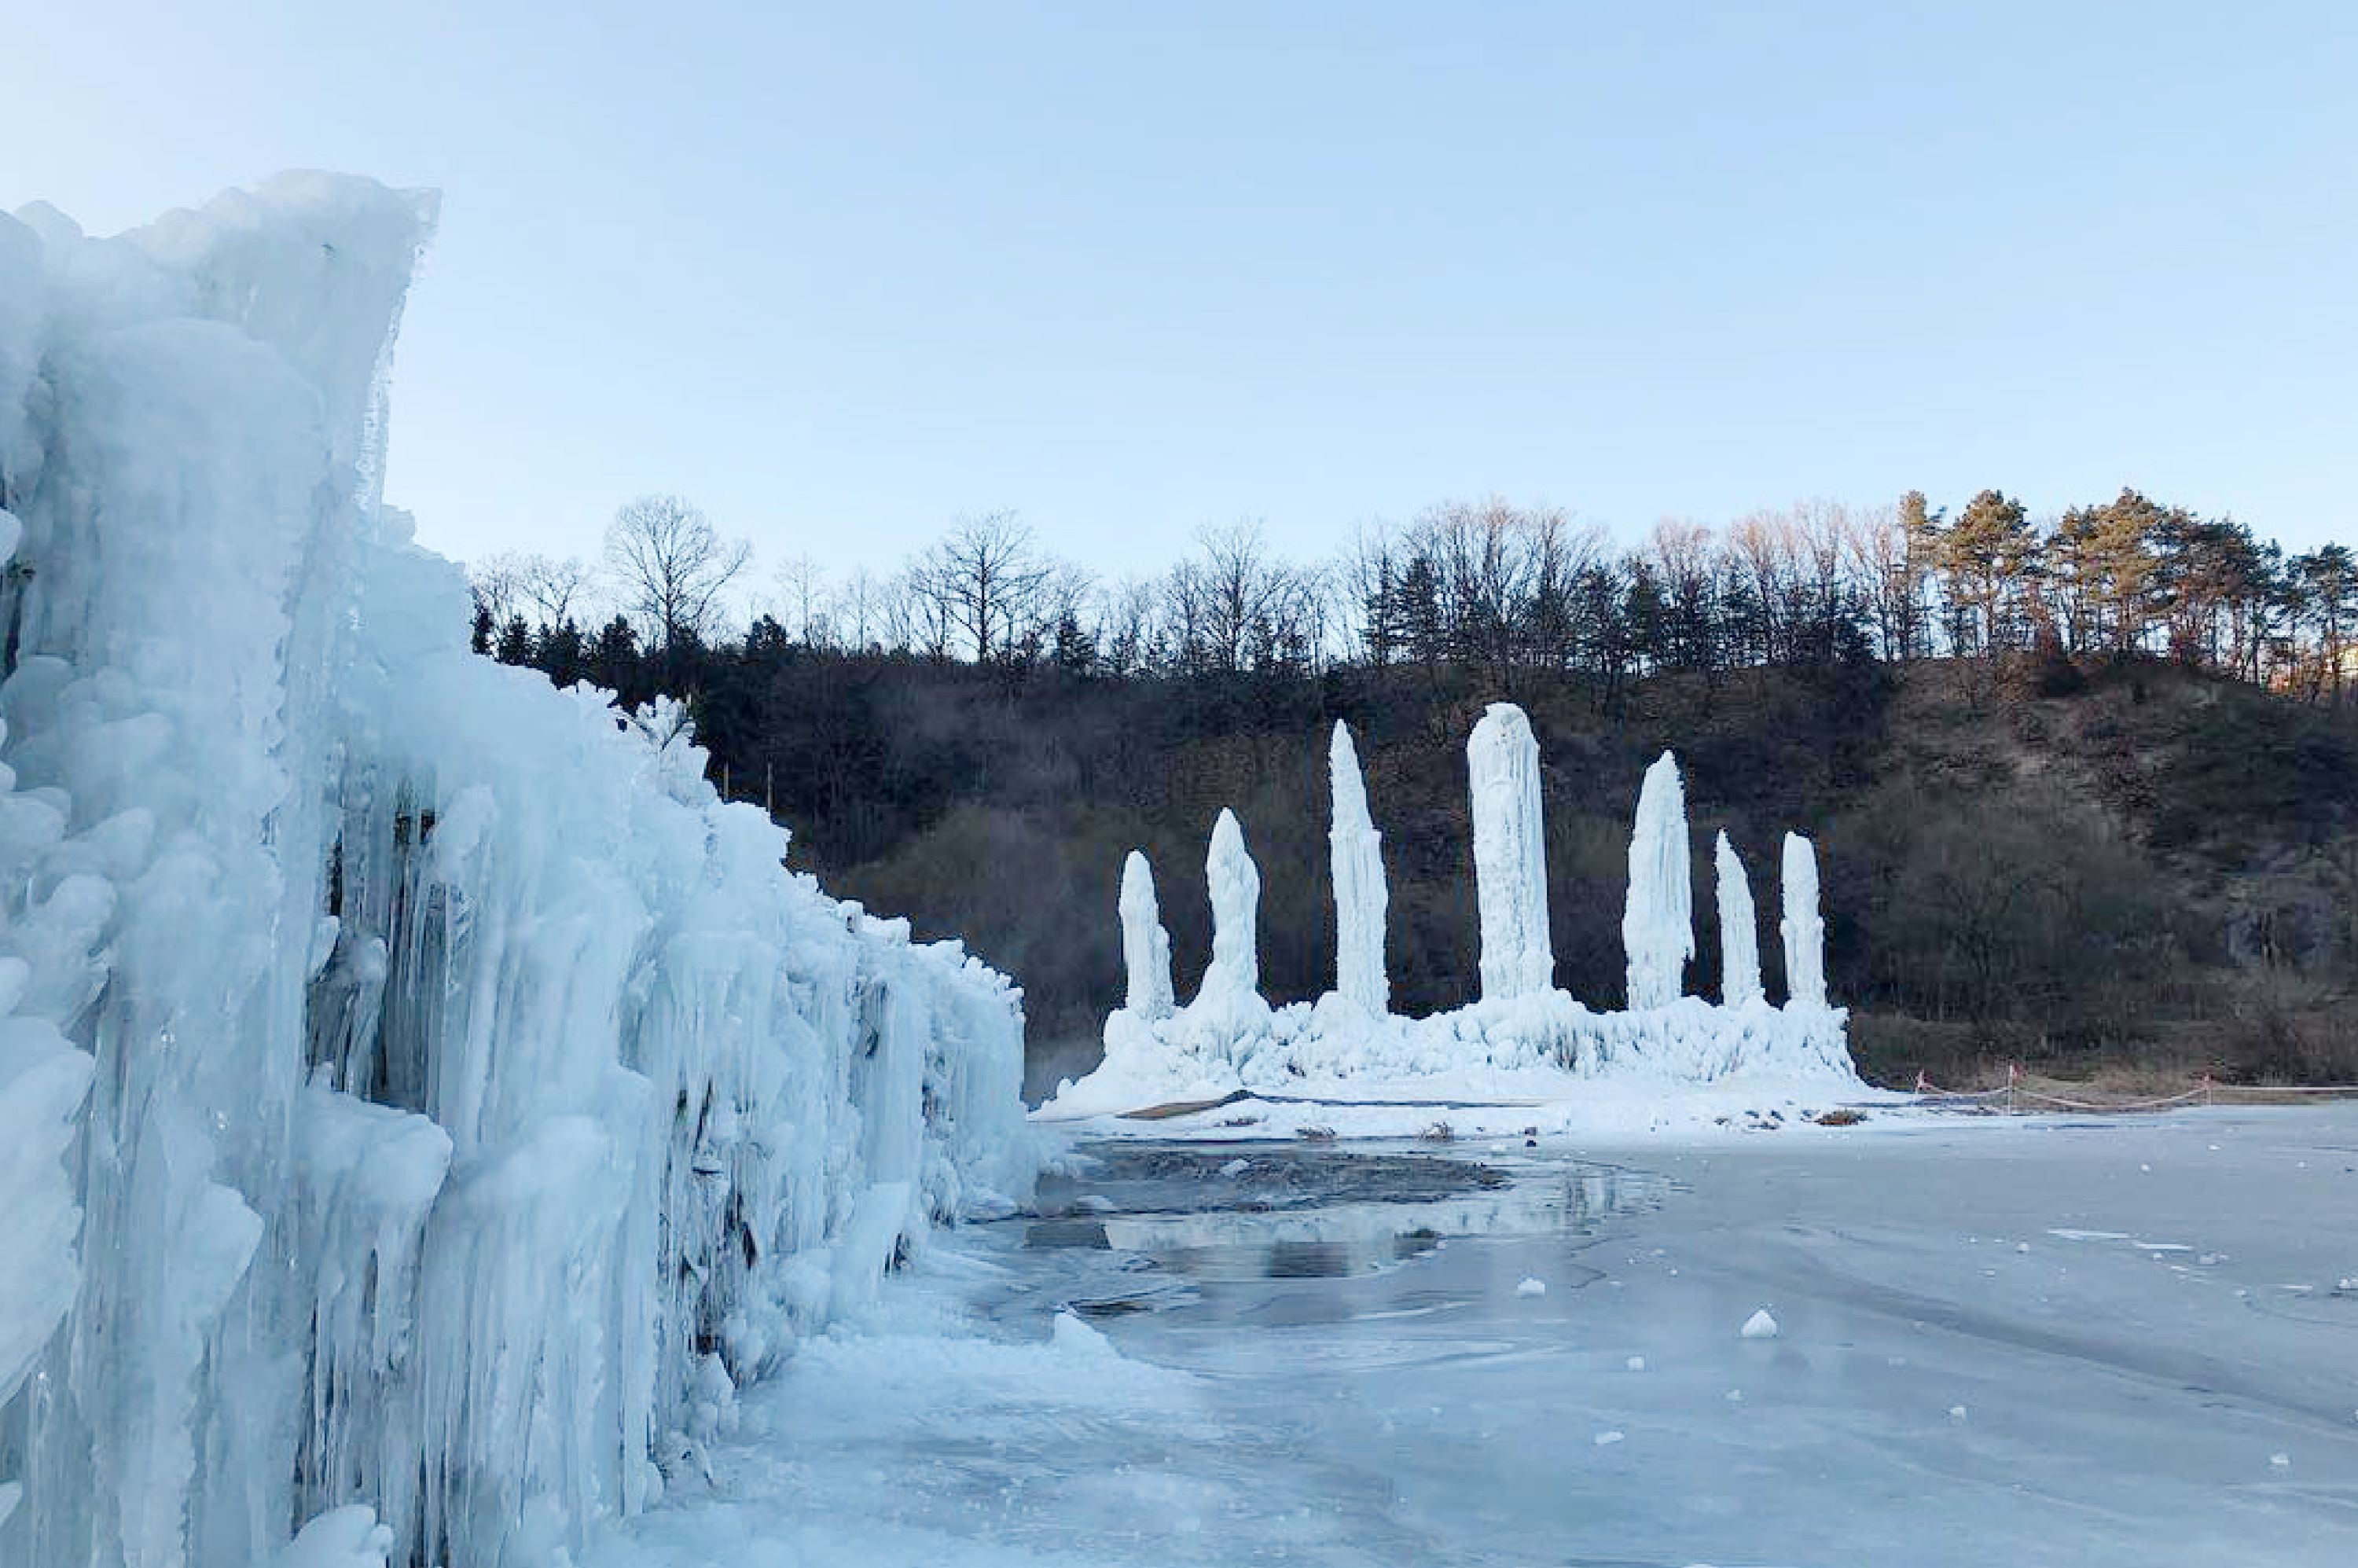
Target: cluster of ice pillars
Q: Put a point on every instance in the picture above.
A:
(1502, 759)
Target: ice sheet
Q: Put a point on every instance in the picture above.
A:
(1936, 1394)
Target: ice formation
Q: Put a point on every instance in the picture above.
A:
(1234, 975)
(1359, 897)
(1657, 921)
(420, 1096)
(1502, 760)
(1524, 1038)
(1804, 933)
(1145, 945)
(1739, 929)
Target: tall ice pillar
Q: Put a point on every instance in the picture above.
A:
(1234, 885)
(1502, 763)
(1356, 851)
(1658, 920)
(1804, 932)
(1739, 930)
(1145, 945)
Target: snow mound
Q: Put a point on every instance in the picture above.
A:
(409, 1074)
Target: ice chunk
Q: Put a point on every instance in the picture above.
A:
(1532, 1287)
(1739, 929)
(1357, 850)
(1502, 762)
(347, 1537)
(1658, 916)
(1760, 1325)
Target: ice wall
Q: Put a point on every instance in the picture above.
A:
(1739, 930)
(1145, 945)
(1502, 762)
(1658, 917)
(1357, 866)
(455, 1094)
(1234, 974)
(1804, 933)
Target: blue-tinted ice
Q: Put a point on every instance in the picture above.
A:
(2127, 1343)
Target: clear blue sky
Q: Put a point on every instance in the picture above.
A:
(842, 272)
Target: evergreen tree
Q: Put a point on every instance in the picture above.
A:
(1992, 559)
(516, 641)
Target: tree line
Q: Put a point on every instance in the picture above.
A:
(1489, 587)
(2172, 875)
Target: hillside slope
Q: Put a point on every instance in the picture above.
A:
(2125, 863)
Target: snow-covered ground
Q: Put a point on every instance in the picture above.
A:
(1996, 1342)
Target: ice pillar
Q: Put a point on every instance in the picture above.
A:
(1658, 920)
(1739, 931)
(1357, 850)
(1145, 945)
(1805, 933)
(1235, 909)
(1502, 763)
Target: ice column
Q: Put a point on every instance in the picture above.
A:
(1234, 883)
(1657, 921)
(1357, 852)
(1739, 931)
(1502, 762)
(1805, 933)
(1145, 945)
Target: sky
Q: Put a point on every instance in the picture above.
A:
(844, 274)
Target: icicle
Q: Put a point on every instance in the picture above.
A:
(1658, 920)
(1740, 932)
(1357, 850)
(1235, 971)
(1804, 932)
(1145, 945)
(1502, 761)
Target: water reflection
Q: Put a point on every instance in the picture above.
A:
(1295, 1213)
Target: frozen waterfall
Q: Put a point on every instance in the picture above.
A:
(1358, 854)
(420, 1096)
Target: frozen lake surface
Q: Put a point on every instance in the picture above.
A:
(2021, 1342)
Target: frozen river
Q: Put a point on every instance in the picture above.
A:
(1999, 1342)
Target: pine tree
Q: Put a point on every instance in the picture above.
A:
(516, 641)
(1992, 559)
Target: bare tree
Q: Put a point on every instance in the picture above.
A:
(551, 588)
(672, 566)
(497, 584)
(803, 600)
(856, 610)
(988, 584)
